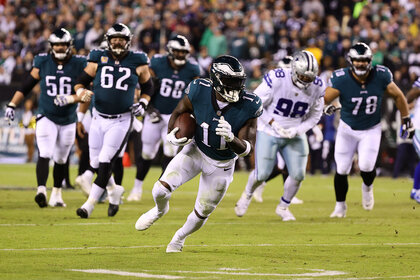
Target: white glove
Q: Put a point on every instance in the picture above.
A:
(318, 134)
(291, 132)
(63, 100)
(330, 109)
(175, 141)
(284, 132)
(9, 115)
(85, 94)
(138, 109)
(225, 130)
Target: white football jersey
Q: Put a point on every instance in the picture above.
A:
(416, 110)
(284, 102)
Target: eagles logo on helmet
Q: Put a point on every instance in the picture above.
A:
(228, 77)
(119, 30)
(60, 36)
(362, 53)
(179, 49)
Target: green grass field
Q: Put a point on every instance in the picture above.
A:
(54, 243)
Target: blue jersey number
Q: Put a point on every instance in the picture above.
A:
(286, 108)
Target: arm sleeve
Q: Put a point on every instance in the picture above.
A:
(312, 117)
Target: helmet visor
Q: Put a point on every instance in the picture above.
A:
(233, 82)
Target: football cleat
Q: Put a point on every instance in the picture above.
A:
(285, 213)
(174, 247)
(114, 196)
(413, 193)
(367, 199)
(417, 196)
(85, 211)
(41, 197)
(84, 185)
(296, 200)
(242, 205)
(56, 199)
(135, 195)
(339, 211)
(257, 195)
(147, 219)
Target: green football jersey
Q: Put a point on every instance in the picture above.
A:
(207, 114)
(58, 80)
(361, 103)
(115, 81)
(171, 83)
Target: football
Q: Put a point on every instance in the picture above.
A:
(186, 124)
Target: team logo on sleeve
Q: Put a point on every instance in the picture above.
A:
(104, 59)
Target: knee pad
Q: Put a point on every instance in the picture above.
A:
(368, 177)
(204, 210)
(262, 175)
(160, 192)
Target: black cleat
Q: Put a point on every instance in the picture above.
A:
(82, 213)
(112, 210)
(41, 200)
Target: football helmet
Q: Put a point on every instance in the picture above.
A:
(360, 52)
(118, 30)
(286, 62)
(179, 43)
(61, 36)
(228, 77)
(304, 69)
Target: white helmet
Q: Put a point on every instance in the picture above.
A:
(179, 43)
(119, 30)
(61, 36)
(304, 69)
(362, 52)
(285, 62)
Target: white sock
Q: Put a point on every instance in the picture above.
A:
(161, 195)
(95, 194)
(291, 187)
(88, 175)
(340, 204)
(252, 184)
(138, 186)
(192, 224)
(366, 188)
(111, 182)
(42, 189)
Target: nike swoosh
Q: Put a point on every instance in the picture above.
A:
(226, 169)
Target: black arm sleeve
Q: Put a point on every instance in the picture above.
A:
(28, 85)
(84, 79)
(147, 87)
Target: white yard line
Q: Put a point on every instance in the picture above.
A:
(126, 273)
(215, 245)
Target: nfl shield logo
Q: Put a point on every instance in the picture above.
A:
(104, 59)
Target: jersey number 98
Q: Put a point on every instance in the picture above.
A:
(286, 108)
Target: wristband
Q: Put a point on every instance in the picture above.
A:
(80, 116)
(247, 150)
(11, 104)
(144, 101)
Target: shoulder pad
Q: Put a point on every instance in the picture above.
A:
(253, 103)
(95, 55)
(140, 58)
(39, 59)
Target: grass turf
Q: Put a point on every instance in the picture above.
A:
(53, 243)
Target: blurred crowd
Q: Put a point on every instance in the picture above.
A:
(258, 32)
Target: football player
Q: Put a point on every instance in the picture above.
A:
(115, 73)
(172, 73)
(293, 103)
(412, 96)
(360, 89)
(57, 71)
(224, 113)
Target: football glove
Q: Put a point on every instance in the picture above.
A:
(9, 115)
(175, 141)
(154, 115)
(407, 128)
(330, 109)
(138, 109)
(225, 130)
(63, 100)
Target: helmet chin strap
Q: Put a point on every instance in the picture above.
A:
(179, 62)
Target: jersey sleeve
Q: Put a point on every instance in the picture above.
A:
(265, 89)
(154, 62)
(140, 58)
(94, 56)
(192, 90)
(39, 60)
(417, 83)
(385, 74)
(254, 104)
(337, 78)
